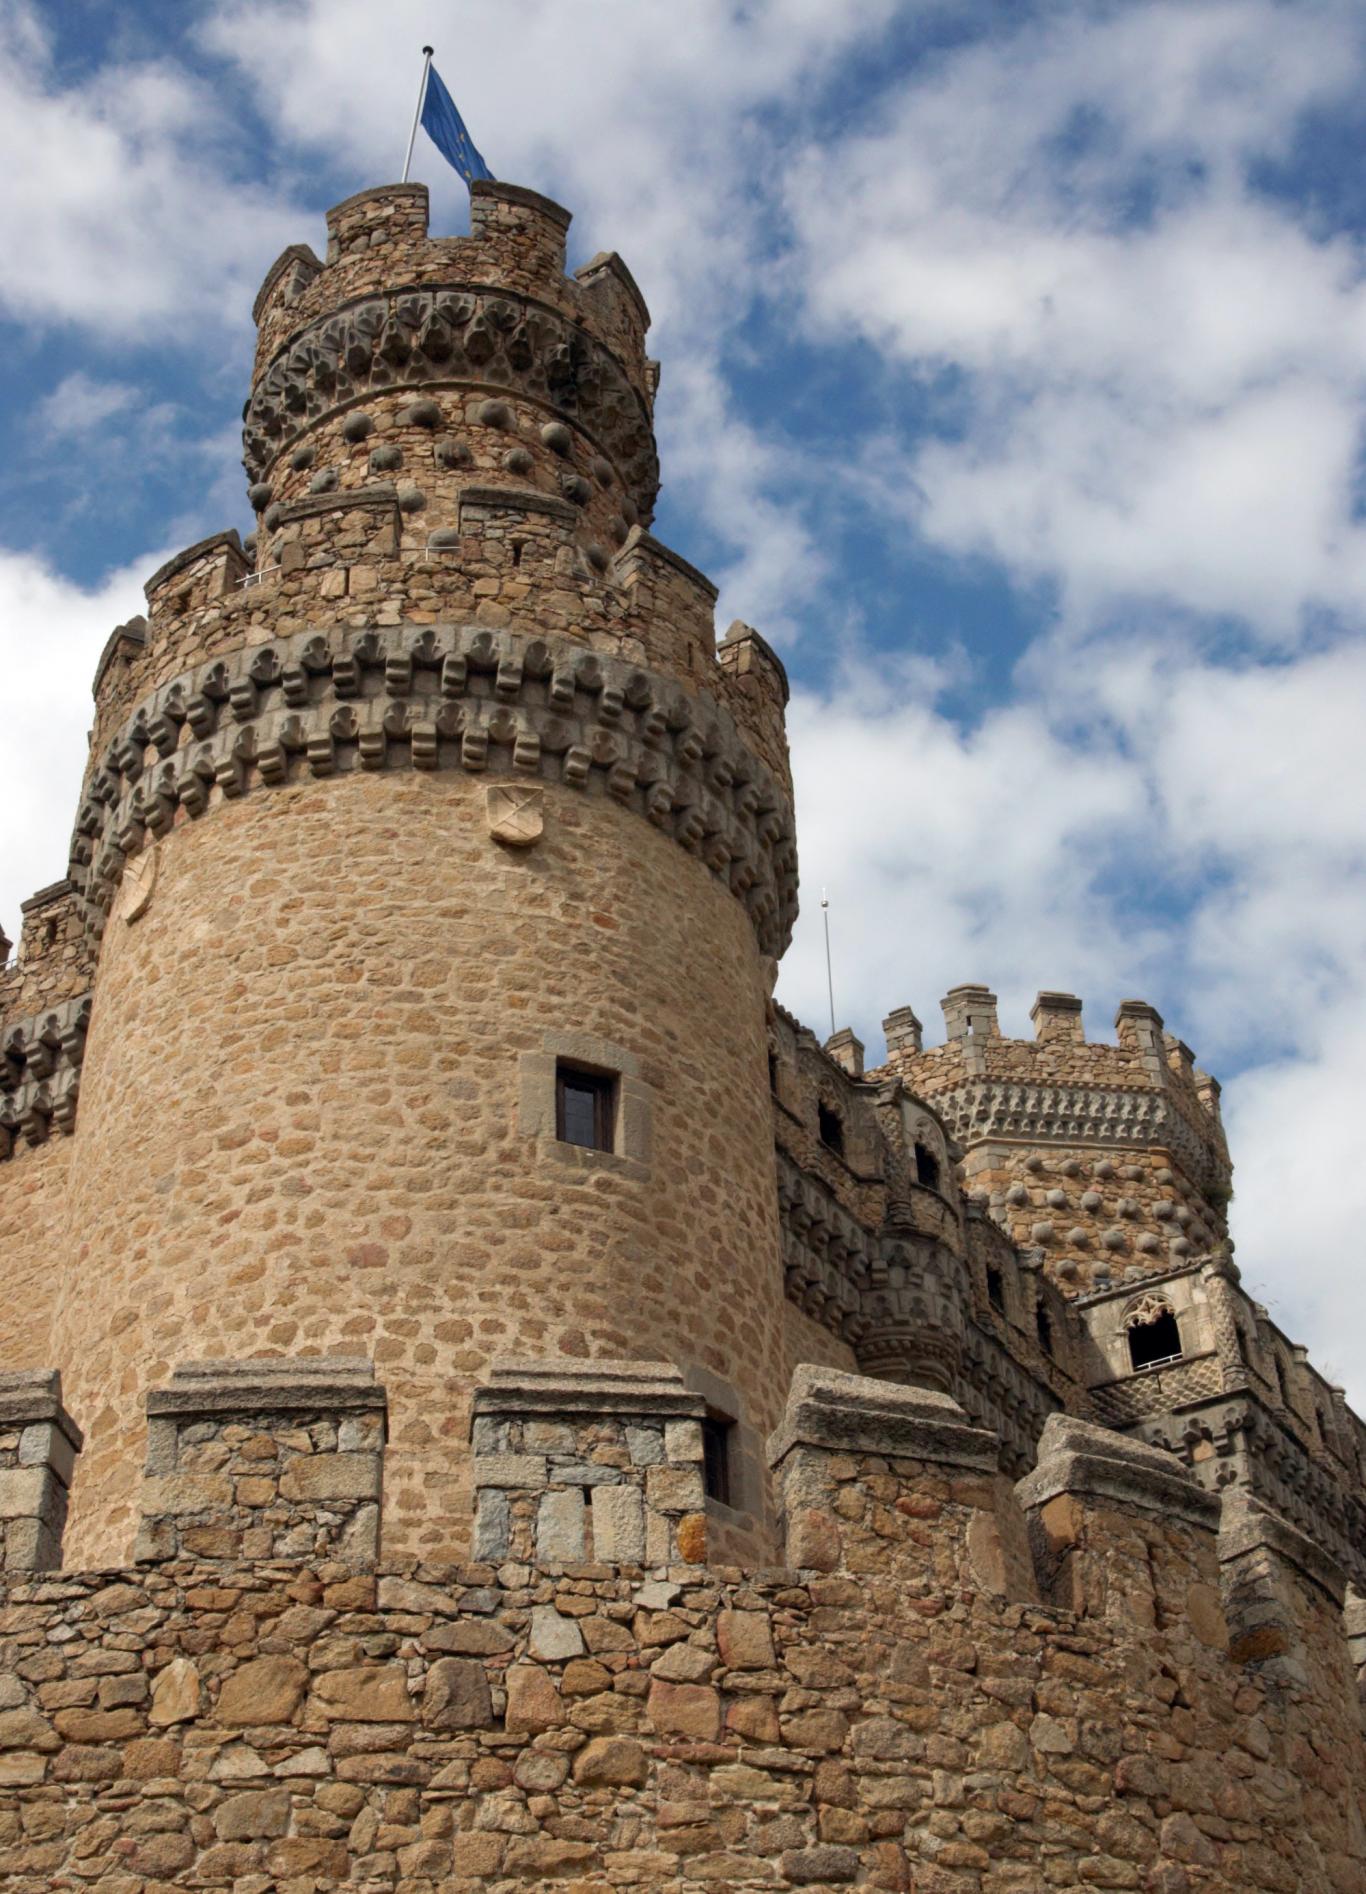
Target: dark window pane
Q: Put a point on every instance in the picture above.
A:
(716, 1458)
(585, 1108)
(831, 1129)
(996, 1291)
(926, 1167)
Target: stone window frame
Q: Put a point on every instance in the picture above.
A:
(634, 1130)
(747, 1510)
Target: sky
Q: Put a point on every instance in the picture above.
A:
(1014, 385)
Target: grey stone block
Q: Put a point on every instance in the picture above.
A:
(618, 1525)
(560, 1528)
(846, 1413)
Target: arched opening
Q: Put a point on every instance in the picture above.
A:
(996, 1289)
(831, 1128)
(926, 1167)
(1154, 1334)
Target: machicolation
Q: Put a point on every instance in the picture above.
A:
(488, 1398)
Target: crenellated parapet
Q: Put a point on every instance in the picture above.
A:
(1109, 1158)
(319, 705)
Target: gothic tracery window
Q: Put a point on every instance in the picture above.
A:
(1154, 1333)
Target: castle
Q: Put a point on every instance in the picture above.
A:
(488, 1397)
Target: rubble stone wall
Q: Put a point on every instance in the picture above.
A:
(885, 1714)
(314, 1119)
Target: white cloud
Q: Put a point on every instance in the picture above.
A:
(1165, 368)
(51, 636)
(124, 209)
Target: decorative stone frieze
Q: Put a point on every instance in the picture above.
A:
(461, 336)
(40, 1073)
(595, 1460)
(265, 1459)
(318, 704)
(1071, 1114)
(39, 1442)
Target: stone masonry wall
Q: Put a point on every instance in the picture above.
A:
(885, 1715)
(316, 1036)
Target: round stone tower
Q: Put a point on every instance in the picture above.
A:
(439, 861)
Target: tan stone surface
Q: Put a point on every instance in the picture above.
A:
(329, 1198)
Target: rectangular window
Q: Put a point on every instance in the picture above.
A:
(716, 1458)
(585, 1108)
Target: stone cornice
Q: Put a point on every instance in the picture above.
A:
(451, 334)
(324, 703)
(981, 1110)
(40, 1072)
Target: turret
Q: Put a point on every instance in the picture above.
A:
(437, 869)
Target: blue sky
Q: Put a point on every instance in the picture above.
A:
(1014, 380)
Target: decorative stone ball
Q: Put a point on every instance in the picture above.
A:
(1165, 1177)
(259, 495)
(981, 1198)
(602, 471)
(421, 414)
(1067, 1268)
(1147, 1242)
(411, 499)
(301, 459)
(1056, 1198)
(443, 537)
(1090, 1200)
(1183, 1216)
(597, 556)
(387, 458)
(518, 460)
(1078, 1237)
(619, 530)
(630, 510)
(357, 427)
(574, 487)
(1164, 1210)
(1126, 1207)
(1181, 1246)
(453, 452)
(1113, 1239)
(1041, 1233)
(557, 437)
(270, 519)
(1071, 1168)
(1017, 1194)
(323, 481)
(494, 414)
(249, 544)
(1033, 1162)
(1133, 1172)
(1105, 1168)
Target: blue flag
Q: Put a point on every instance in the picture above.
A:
(446, 129)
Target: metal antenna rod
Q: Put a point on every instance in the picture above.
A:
(829, 975)
(417, 115)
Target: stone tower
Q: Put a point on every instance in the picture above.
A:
(431, 813)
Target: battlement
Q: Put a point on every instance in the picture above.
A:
(932, 1632)
(390, 307)
(1107, 1156)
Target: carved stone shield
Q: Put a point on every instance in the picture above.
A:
(516, 814)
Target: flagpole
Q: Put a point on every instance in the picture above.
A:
(417, 115)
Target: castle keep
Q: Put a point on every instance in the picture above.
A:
(488, 1398)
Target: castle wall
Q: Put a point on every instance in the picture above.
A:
(894, 1710)
(33, 1209)
(314, 1119)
